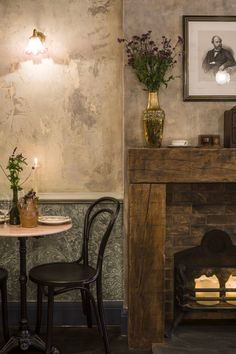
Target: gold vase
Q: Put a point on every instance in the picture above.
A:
(153, 121)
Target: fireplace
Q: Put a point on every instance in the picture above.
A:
(151, 172)
(205, 276)
(191, 211)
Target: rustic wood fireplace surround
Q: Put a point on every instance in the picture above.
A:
(149, 173)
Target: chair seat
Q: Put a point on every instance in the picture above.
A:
(3, 274)
(61, 274)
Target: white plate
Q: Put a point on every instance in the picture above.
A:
(54, 219)
(179, 146)
(2, 219)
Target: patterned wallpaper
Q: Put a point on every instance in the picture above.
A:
(66, 247)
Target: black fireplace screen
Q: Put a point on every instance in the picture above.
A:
(205, 276)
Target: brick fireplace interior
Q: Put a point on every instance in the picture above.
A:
(191, 211)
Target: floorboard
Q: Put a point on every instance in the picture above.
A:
(199, 339)
(82, 340)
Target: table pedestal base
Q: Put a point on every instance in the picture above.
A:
(24, 340)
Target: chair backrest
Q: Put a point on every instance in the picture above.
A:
(107, 207)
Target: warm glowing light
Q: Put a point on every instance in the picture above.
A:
(207, 282)
(35, 162)
(35, 175)
(231, 284)
(222, 77)
(35, 45)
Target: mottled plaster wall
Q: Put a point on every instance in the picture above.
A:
(183, 119)
(66, 107)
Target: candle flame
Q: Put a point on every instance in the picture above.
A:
(35, 162)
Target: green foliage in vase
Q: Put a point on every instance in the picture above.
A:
(16, 163)
(152, 63)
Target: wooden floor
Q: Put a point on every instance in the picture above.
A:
(200, 339)
(188, 339)
(82, 340)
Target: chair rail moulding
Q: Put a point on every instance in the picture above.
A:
(77, 196)
(149, 172)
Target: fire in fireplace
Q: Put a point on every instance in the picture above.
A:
(205, 276)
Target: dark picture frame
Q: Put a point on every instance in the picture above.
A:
(209, 46)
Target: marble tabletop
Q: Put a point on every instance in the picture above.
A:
(40, 230)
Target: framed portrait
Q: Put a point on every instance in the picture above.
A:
(209, 58)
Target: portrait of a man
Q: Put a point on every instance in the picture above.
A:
(218, 58)
(209, 58)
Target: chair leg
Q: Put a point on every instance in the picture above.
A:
(83, 301)
(39, 309)
(93, 303)
(86, 305)
(101, 316)
(4, 311)
(49, 320)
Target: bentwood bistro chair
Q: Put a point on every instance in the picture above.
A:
(56, 278)
(3, 290)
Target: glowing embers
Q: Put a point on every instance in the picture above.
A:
(231, 284)
(212, 283)
(204, 282)
(36, 43)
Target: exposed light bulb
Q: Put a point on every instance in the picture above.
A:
(222, 77)
(35, 45)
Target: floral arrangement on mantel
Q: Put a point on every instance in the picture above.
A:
(152, 62)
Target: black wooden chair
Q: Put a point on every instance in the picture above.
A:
(56, 278)
(3, 289)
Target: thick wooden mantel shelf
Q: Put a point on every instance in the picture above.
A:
(149, 171)
(181, 165)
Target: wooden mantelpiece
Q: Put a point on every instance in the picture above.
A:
(149, 171)
(183, 165)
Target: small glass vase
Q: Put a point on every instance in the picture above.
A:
(28, 213)
(153, 121)
(14, 212)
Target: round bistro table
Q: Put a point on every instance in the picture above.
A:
(24, 338)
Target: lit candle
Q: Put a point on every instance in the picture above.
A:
(35, 175)
(35, 162)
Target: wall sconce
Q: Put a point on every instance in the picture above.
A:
(36, 43)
